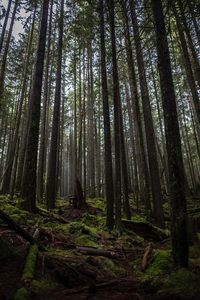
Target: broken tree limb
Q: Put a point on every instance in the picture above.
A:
(17, 228)
(147, 256)
(146, 230)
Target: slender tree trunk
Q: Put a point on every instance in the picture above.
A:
(116, 100)
(109, 190)
(53, 162)
(148, 122)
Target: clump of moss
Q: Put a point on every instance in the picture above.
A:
(108, 266)
(162, 263)
(18, 215)
(128, 239)
(41, 284)
(98, 203)
(138, 218)
(89, 219)
(21, 294)
(86, 240)
(29, 268)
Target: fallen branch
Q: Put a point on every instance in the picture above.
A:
(147, 256)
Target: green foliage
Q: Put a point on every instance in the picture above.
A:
(21, 294)
(162, 263)
(31, 259)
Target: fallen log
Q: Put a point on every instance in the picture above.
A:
(146, 230)
(17, 228)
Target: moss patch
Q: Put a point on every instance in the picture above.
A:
(162, 264)
(21, 294)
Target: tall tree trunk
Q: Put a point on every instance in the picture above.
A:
(116, 100)
(109, 190)
(173, 142)
(148, 122)
(29, 177)
(53, 161)
(46, 96)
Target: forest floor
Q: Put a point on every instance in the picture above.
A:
(83, 261)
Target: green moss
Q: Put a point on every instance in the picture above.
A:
(98, 203)
(162, 264)
(21, 294)
(41, 284)
(18, 215)
(31, 259)
(109, 267)
(89, 219)
(128, 239)
(61, 252)
(138, 218)
(85, 240)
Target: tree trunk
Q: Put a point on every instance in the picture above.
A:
(173, 142)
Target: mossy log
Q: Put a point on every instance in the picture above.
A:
(146, 230)
(17, 228)
(29, 268)
(28, 273)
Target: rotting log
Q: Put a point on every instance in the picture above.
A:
(146, 230)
